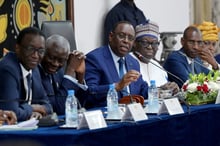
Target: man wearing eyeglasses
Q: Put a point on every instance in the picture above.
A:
(186, 60)
(61, 70)
(103, 68)
(146, 43)
(20, 84)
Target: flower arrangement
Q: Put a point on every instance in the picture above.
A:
(201, 88)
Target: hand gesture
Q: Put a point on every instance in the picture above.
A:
(76, 65)
(36, 115)
(8, 116)
(129, 77)
(172, 86)
(39, 109)
(206, 55)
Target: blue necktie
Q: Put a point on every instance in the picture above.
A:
(29, 85)
(50, 86)
(193, 67)
(121, 69)
(121, 74)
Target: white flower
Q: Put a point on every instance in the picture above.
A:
(192, 87)
(213, 85)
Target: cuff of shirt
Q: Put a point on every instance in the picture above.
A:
(75, 81)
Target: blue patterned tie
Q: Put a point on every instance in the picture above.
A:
(121, 74)
(121, 69)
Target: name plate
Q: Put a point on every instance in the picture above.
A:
(171, 106)
(92, 120)
(134, 112)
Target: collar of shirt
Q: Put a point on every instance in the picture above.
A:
(24, 71)
(44, 72)
(115, 57)
(189, 60)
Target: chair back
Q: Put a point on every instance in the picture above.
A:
(64, 28)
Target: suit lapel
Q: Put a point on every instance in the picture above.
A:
(128, 64)
(109, 61)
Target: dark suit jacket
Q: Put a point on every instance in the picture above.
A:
(217, 58)
(12, 91)
(177, 64)
(57, 90)
(101, 71)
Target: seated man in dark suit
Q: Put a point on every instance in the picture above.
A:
(56, 82)
(102, 67)
(186, 60)
(20, 83)
(7, 116)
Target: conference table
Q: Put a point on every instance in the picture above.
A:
(197, 126)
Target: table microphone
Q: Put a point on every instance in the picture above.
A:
(81, 109)
(179, 95)
(149, 60)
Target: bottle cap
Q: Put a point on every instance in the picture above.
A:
(152, 82)
(70, 92)
(111, 86)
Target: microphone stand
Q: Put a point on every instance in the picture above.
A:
(148, 60)
(179, 95)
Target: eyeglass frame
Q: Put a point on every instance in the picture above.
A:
(193, 43)
(124, 36)
(61, 61)
(147, 44)
(208, 43)
(30, 50)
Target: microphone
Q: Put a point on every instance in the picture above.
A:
(148, 60)
(81, 109)
(180, 95)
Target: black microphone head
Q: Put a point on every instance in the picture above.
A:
(148, 60)
(141, 57)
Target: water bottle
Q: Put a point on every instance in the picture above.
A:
(112, 103)
(153, 103)
(71, 110)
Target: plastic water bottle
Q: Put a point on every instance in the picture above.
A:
(71, 110)
(112, 103)
(153, 103)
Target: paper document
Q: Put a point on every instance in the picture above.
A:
(26, 125)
